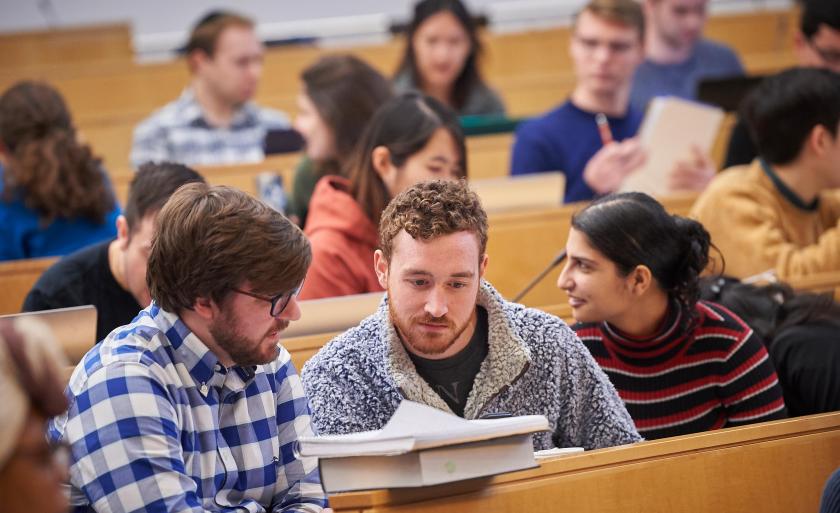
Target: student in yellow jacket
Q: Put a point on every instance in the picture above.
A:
(782, 212)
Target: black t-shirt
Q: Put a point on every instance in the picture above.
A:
(807, 360)
(452, 378)
(85, 278)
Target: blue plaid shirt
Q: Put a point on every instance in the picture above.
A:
(179, 133)
(157, 424)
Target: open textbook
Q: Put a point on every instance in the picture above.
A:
(422, 446)
(670, 128)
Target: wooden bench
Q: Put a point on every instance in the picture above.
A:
(772, 467)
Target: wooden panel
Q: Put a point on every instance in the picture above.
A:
(82, 45)
(17, 278)
(773, 467)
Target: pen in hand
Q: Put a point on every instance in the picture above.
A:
(604, 128)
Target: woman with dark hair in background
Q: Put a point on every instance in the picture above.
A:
(412, 138)
(801, 333)
(441, 59)
(340, 94)
(31, 391)
(55, 196)
(681, 365)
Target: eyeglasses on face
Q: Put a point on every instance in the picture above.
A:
(278, 302)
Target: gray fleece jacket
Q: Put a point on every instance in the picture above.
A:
(535, 365)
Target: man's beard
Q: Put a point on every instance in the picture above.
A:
(429, 344)
(242, 350)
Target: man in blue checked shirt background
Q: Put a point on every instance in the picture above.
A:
(194, 406)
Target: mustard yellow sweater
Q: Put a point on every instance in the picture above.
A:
(757, 227)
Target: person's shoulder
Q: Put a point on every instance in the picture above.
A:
(353, 350)
(734, 182)
(711, 48)
(547, 123)
(716, 319)
(271, 118)
(74, 272)
(136, 346)
(713, 53)
(173, 114)
(540, 329)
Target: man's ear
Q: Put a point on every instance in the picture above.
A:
(197, 59)
(820, 140)
(640, 280)
(482, 266)
(380, 265)
(205, 308)
(123, 233)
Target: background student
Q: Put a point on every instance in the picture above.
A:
(782, 212)
(214, 120)
(817, 45)
(340, 94)
(677, 56)
(441, 59)
(32, 379)
(412, 138)
(111, 275)
(54, 195)
(681, 365)
(606, 47)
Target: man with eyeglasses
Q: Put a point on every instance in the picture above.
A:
(194, 406)
(606, 48)
(816, 45)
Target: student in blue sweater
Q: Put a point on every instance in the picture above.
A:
(54, 195)
(606, 48)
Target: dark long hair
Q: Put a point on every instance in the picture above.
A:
(469, 77)
(404, 125)
(57, 176)
(346, 91)
(768, 309)
(633, 229)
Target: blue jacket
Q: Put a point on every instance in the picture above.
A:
(23, 235)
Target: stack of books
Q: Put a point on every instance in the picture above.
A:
(423, 446)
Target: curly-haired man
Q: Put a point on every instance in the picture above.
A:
(446, 338)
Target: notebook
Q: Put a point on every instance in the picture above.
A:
(670, 128)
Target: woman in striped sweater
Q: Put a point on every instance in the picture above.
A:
(681, 365)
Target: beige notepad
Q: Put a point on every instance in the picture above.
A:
(670, 128)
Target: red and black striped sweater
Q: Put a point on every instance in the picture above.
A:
(713, 375)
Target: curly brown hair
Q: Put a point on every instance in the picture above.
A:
(55, 175)
(212, 239)
(431, 209)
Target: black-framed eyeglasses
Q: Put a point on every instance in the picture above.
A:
(278, 302)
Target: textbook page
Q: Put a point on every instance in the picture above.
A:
(670, 128)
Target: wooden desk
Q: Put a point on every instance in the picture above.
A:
(773, 467)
